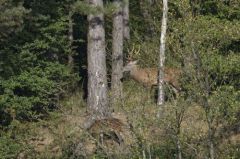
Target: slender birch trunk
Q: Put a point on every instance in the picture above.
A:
(161, 95)
(117, 55)
(97, 74)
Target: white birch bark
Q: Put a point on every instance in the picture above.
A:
(160, 101)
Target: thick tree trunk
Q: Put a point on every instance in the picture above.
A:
(70, 38)
(160, 101)
(126, 32)
(117, 56)
(97, 74)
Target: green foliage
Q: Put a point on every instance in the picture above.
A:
(27, 95)
(9, 148)
(34, 71)
(12, 141)
(209, 29)
(225, 105)
(34, 75)
(11, 17)
(85, 8)
(228, 10)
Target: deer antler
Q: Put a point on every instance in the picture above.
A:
(133, 52)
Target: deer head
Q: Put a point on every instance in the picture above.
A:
(130, 66)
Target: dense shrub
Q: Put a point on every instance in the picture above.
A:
(30, 94)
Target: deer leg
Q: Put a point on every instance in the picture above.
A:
(176, 92)
(173, 91)
(154, 93)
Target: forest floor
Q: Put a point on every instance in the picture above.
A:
(56, 136)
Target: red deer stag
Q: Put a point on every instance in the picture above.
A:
(149, 76)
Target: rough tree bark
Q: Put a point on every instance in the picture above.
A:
(117, 55)
(160, 101)
(97, 75)
(126, 32)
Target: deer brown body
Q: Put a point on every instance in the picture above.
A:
(149, 76)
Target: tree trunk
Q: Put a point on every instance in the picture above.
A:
(160, 101)
(210, 140)
(117, 56)
(179, 118)
(202, 76)
(126, 32)
(179, 149)
(97, 74)
(70, 38)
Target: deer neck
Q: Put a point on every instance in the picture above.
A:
(134, 70)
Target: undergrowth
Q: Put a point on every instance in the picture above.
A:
(58, 135)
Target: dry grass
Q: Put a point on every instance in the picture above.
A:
(51, 138)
